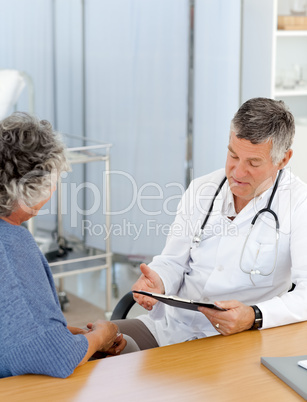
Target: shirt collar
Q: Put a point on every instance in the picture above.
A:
(228, 207)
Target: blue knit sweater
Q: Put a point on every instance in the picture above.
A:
(33, 331)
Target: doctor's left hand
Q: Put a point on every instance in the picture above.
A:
(238, 317)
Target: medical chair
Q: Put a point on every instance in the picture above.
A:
(123, 307)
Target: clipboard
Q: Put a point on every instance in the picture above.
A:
(176, 301)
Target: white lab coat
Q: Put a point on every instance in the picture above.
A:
(211, 272)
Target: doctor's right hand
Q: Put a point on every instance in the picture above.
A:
(151, 282)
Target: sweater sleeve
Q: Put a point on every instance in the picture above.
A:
(34, 337)
(54, 352)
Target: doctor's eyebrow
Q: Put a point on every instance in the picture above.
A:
(248, 159)
(231, 150)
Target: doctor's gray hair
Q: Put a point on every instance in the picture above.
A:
(260, 120)
(32, 156)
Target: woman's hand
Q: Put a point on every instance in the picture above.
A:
(107, 332)
(102, 336)
(118, 346)
(77, 331)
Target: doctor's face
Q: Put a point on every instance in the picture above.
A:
(249, 168)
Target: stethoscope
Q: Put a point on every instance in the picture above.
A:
(198, 236)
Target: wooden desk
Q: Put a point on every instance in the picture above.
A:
(215, 369)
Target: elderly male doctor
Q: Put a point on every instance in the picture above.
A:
(247, 273)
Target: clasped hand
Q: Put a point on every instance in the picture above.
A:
(113, 341)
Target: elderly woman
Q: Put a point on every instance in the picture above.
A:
(34, 336)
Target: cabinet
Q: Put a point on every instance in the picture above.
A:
(271, 61)
(272, 57)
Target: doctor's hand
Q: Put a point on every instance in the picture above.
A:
(238, 317)
(151, 282)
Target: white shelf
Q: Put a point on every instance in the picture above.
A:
(290, 92)
(294, 33)
(89, 153)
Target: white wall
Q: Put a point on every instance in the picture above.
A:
(217, 80)
(298, 160)
(26, 45)
(136, 77)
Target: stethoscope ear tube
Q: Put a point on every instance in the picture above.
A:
(268, 207)
(212, 203)
(270, 212)
(197, 237)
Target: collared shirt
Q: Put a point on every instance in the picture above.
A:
(220, 267)
(228, 208)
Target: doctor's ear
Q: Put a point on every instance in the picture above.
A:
(285, 160)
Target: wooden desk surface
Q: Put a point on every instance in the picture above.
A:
(215, 369)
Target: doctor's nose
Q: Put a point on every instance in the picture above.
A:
(239, 171)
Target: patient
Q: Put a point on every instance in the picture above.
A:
(34, 336)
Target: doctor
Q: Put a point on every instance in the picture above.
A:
(246, 253)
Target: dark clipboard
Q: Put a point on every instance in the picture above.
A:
(176, 301)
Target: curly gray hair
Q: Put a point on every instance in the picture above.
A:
(262, 119)
(32, 158)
